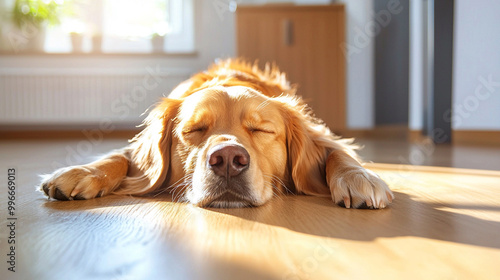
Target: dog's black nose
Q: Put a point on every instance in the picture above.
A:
(228, 160)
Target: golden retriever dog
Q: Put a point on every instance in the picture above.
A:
(232, 136)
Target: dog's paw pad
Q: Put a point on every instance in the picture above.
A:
(79, 197)
(45, 188)
(59, 195)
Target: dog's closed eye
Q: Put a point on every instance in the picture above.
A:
(260, 126)
(194, 129)
(253, 129)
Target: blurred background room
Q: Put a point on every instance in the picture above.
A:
(415, 81)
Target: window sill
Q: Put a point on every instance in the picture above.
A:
(92, 54)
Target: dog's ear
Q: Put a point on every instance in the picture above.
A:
(309, 142)
(149, 151)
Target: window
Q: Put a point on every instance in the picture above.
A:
(107, 26)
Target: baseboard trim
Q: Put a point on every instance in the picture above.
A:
(459, 137)
(476, 137)
(415, 135)
(379, 132)
(66, 134)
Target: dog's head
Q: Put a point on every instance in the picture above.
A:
(230, 146)
(231, 141)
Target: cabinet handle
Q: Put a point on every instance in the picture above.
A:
(287, 32)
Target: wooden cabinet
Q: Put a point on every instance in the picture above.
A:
(305, 42)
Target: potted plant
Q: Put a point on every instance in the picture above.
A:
(158, 42)
(97, 42)
(158, 37)
(76, 41)
(32, 17)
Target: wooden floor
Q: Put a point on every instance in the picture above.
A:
(443, 224)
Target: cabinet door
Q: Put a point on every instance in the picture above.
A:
(305, 42)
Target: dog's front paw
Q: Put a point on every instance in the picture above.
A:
(360, 188)
(75, 182)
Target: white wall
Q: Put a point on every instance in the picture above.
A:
(416, 79)
(360, 65)
(476, 69)
(215, 37)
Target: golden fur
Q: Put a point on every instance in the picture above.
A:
(231, 136)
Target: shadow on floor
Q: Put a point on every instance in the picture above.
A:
(320, 217)
(405, 217)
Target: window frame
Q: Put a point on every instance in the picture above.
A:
(181, 42)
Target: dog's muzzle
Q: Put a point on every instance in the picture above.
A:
(229, 163)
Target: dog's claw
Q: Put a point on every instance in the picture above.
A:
(389, 196)
(369, 203)
(347, 202)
